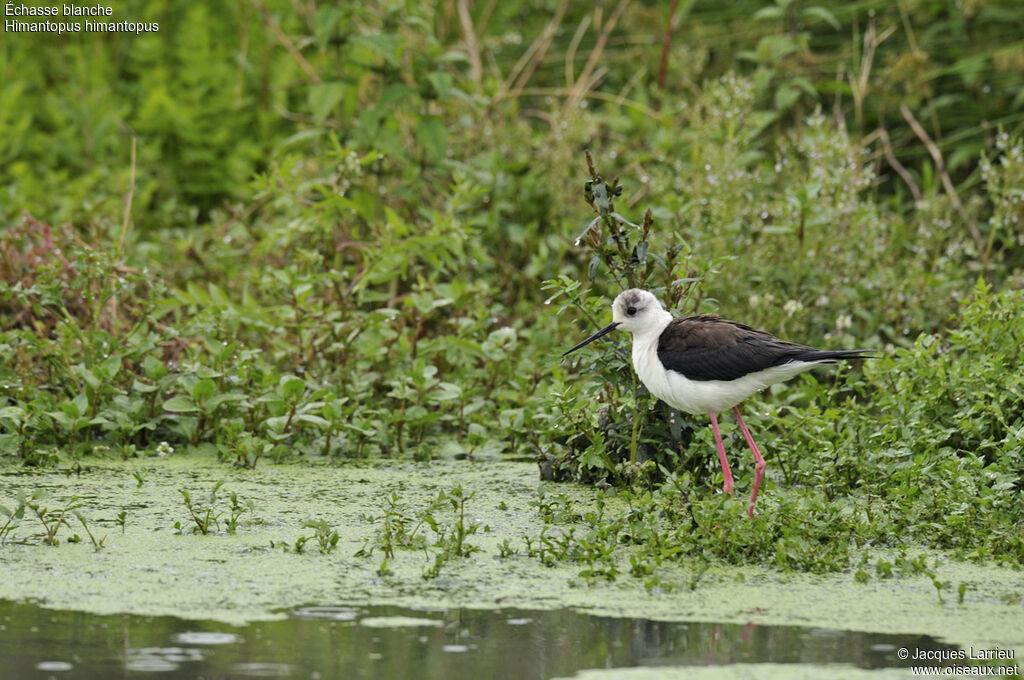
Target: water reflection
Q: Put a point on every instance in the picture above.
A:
(372, 642)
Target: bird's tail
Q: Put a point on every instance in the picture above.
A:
(831, 356)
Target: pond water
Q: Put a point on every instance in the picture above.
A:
(392, 642)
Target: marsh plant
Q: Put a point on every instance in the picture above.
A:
(97, 543)
(54, 519)
(206, 515)
(11, 517)
(590, 539)
(674, 525)
(325, 537)
(403, 529)
(236, 510)
(451, 536)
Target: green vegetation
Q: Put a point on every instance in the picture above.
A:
(206, 516)
(326, 538)
(253, 580)
(277, 232)
(400, 530)
(52, 520)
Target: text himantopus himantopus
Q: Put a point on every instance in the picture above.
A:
(706, 364)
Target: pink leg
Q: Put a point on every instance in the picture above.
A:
(759, 464)
(726, 472)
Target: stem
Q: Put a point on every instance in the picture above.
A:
(291, 414)
(666, 45)
(638, 416)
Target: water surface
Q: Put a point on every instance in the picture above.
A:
(392, 642)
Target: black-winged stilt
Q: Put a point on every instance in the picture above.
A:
(706, 364)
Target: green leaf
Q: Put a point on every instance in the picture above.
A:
(824, 15)
(446, 391)
(332, 410)
(180, 404)
(203, 390)
(81, 405)
(773, 13)
(85, 374)
(772, 48)
(153, 367)
(326, 21)
(292, 387)
(314, 420)
(10, 444)
(223, 398)
(786, 96)
(60, 417)
(108, 369)
(276, 424)
(13, 413)
(441, 81)
(143, 388)
(386, 45)
(359, 430)
(432, 136)
(324, 97)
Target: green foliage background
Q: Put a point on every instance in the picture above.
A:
(280, 229)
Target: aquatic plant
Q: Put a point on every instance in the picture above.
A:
(400, 529)
(204, 516)
(12, 518)
(326, 537)
(52, 520)
(97, 544)
(236, 510)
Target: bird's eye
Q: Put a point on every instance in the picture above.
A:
(630, 311)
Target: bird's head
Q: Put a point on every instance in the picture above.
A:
(634, 310)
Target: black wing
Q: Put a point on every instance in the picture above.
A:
(708, 347)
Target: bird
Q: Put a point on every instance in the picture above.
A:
(707, 364)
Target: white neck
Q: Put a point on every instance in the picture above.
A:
(652, 332)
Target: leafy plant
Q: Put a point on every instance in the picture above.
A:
(51, 519)
(204, 516)
(235, 512)
(13, 517)
(97, 544)
(326, 538)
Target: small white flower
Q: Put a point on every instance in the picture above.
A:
(843, 321)
(792, 307)
(164, 449)
(754, 300)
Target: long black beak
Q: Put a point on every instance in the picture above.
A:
(604, 331)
